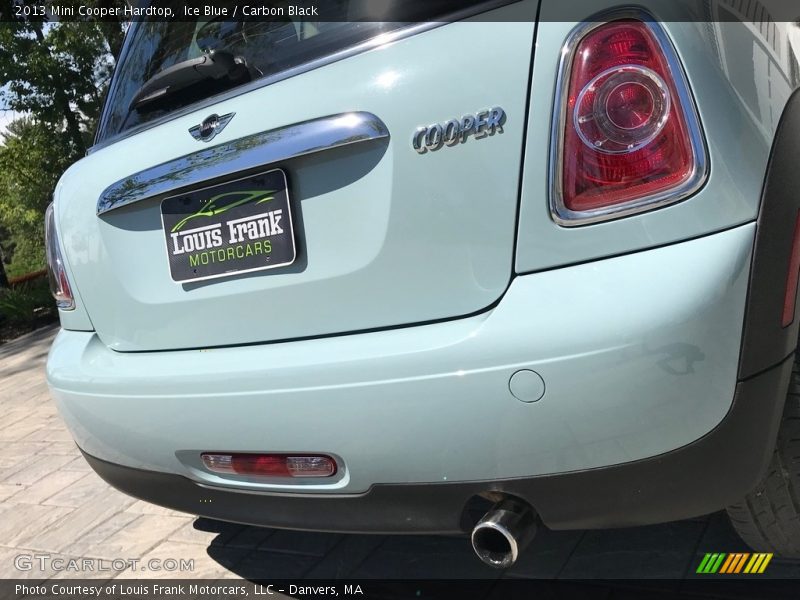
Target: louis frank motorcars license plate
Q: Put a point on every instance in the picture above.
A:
(223, 230)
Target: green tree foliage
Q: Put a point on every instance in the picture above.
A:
(56, 74)
(32, 159)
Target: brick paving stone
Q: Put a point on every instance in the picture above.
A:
(49, 434)
(9, 489)
(201, 566)
(653, 552)
(547, 555)
(265, 565)
(250, 538)
(189, 534)
(78, 464)
(145, 508)
(81, 491)
(346, 556)
(84, 545)
(29, 567)
(66, 448)
(14, 415)
(424, 557)
(21, 429)
(81, 521)
(21, 463)
(22, 524)
(206, 532)
(13, 452)
(301, 542)
(98, 570)
(48, 486)
(39, 466)
(139, 536)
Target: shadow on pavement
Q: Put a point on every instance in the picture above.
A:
(668, 551)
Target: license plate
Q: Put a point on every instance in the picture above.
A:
(223, 230)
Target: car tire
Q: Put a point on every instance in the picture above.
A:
(768, 518)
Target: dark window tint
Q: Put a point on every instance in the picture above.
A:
(263, 48)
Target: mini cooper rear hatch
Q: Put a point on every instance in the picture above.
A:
(444, 267)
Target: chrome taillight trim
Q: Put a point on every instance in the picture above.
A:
(55, 263)
(242, 155)
(569, 218)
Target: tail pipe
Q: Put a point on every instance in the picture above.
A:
(504, 532)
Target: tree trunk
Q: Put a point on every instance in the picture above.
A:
(3, 276)
(73, 127)
(112, 32)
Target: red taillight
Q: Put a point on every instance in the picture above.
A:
(271, 465)
(56, 269)
(628, 136)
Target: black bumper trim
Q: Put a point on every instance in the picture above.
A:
(696, 479)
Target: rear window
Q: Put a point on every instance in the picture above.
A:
(263, 48)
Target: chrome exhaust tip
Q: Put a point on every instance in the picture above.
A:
(504, 532)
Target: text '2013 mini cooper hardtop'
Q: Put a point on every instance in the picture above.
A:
(479, 269)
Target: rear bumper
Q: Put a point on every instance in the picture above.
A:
(638, 354)
(697, 479)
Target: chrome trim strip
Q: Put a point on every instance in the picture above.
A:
(376, 42)
(700, 171)
(239, 156)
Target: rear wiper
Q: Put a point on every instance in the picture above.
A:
(211, 66)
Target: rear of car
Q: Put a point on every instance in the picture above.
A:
(380, 272)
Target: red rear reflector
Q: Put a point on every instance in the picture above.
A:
(271, 465)
(628, 136)
(792, 276)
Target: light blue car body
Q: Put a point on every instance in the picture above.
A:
(428, 280)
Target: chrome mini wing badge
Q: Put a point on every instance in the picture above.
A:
(210, 127)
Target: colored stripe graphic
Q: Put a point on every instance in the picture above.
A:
(715, 567)
(703, 564)
(740, 563)
(755, 562)
(734, 563)
(728, 562)
(767, 558)
(711, 563)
